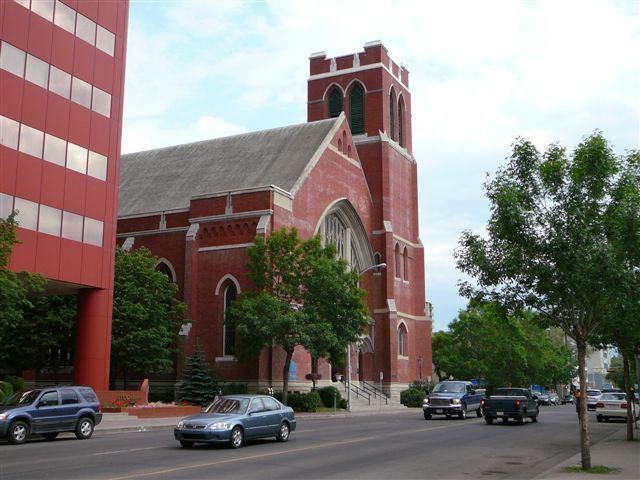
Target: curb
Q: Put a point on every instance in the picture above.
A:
(305, 415)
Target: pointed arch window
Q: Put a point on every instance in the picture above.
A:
(397, 261)
(356, 104)
(400, 121)
(392, 114)
(403, 351)
(335, 102)
(229, 346)
(405, 264)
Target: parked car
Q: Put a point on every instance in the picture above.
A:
(506, 403)
(568, 399)
(235, 418)
(554, 399)
(49, 411)
(543, 398)
(452, 398)
(593, 395)
(614, 405)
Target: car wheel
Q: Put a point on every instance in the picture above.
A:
(283, 436)
(534, 419)
(84, 429)
(18, 432)
(50, 436)
(448, 415)
(237, 437)
(479, 413)
(427, 416)
(521, 420)
(186, 444)
(463, 412)
(599, 418)
(489, 420)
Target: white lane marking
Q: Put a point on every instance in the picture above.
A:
(113, 452)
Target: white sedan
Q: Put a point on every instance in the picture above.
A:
(614, 405)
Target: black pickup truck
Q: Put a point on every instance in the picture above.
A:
(506, 403)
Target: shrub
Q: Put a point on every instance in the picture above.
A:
(164, 395)
(343, 405)
(327, 395)
(196, 386)
(16, 382)
(234, 388)
(412, 397)
(304, 402)
(6, 390)
(418, 385)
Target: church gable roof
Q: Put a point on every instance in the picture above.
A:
(167, 178)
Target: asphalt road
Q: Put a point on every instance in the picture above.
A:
(391, 446)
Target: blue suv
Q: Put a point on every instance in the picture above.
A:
(49, 411)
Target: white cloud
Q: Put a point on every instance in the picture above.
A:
(481, 74)
(145, 135)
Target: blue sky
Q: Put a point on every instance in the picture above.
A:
(481, 74)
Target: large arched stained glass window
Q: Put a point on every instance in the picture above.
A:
(335, 102)
(357, 109)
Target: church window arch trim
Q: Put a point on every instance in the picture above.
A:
(403, 337)
(341, 225)
(167, 263)
(226, 277)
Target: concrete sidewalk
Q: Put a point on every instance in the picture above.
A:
(613, 451)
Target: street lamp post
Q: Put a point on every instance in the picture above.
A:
(370, 267)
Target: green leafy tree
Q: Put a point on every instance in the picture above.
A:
(196, 385)
(549, 244)
(16, 292)
(146, 315)
(303, 297)
(486, 343)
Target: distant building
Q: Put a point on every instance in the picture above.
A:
(61, 89)
(348, 175)
(598, 362)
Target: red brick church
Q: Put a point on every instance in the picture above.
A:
(348, 175)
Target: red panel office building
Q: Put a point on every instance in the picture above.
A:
(61, 95)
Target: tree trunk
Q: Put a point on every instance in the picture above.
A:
(314, 371)
(584, 430)
(285, 375)
(627, 388)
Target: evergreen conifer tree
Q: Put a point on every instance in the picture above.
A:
(196, 386)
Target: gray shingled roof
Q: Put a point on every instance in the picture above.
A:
(167, 178)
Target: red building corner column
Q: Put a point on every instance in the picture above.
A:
(93, 338)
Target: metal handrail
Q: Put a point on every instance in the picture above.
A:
(369, 387)
(360, 392)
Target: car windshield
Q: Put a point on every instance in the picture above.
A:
(228, 405)
(612, 396)
(20, 399)
(510, 392)
(593, 393)
(449, 388)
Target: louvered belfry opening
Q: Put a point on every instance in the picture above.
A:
(400, 114)
(357, 110)
(392, 114)
(335, 102)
